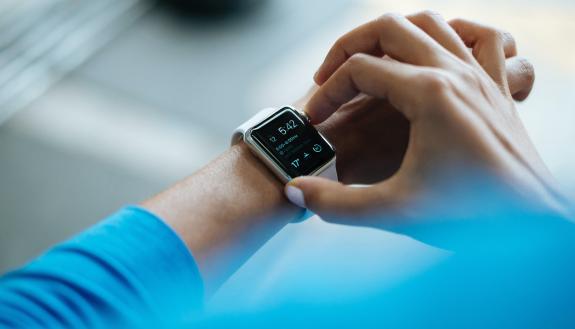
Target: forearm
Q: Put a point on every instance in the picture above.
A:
(225, 212)
(132, 264)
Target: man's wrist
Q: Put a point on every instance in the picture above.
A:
(263, 188)
(231, 206)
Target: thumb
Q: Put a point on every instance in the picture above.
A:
(331, 199)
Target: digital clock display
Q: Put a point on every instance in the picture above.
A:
(293, 142)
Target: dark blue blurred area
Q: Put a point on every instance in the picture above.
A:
(213, 8)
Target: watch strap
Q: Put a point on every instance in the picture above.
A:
(253, 121)
(329, 172)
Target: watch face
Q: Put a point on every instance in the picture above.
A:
(293, 143)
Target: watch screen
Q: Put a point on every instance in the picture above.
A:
(294, 143)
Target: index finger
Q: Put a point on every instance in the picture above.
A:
(392, 35)
(372, 76)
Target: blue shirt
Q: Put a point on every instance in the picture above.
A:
(131, 269)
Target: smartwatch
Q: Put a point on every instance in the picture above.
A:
(288, 144)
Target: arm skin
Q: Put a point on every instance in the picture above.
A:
(225, 212)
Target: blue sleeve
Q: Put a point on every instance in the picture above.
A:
(129, 270)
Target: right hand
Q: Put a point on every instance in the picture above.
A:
(458, 104)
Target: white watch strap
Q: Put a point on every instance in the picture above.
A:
(329, 172)
(257, 118)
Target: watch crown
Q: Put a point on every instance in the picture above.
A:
(305, 116)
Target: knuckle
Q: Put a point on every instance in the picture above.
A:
(389, 19)
(458, 24)
(338, 42)
(312, 198)
(457, 21)
(320, 201)
(436, 88)
(527, 70)
(429, 16)
(469, 74)
(494, 35)
(357, 59)
(507, 37)
(338, 45)
(435, 83)
(427, 19)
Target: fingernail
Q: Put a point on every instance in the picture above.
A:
(295, 195)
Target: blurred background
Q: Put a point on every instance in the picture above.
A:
(106, 102)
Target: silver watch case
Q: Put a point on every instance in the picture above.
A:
(261, 154)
